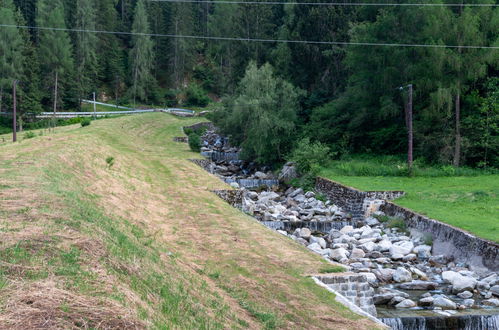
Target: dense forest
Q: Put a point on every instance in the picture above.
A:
(271, 96)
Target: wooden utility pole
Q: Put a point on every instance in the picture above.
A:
(94, 104)
(55, 96)
(410, 134)
(14, 115)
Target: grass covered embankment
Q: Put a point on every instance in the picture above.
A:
(465, 198)
(140, 241)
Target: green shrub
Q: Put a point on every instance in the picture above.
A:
(29, 135)
(85, 122)
(195, 142)
(110, 161)
(196, 96)
(171, 97)
(310, 156)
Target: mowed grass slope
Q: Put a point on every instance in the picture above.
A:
(143, 243)
(467, 202)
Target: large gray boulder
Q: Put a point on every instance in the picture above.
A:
(384, 274)
(402, 275)
(444, 303)
(459, 282)
(495, 290)
(305, 233)
(357, 253)
(339, 254)
(406, 303)
(288, 172)
(400, 249)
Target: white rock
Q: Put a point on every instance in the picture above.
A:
(422, 251)
(339, 254)
(297, 192)
(384, 245)
(260, 175)
(420, 274)
(463, 283)
(357, 253)
(371, 278)
(465, 295)
(468, 302)
(346, 229)
(444, 303)
(315, 247)
(369, 246)
(449, 276)
(282, 232)
(305, 233)
(406, 303)
(401, 249)
(372, 221)
(402, 275)
(428, 301)
(309, 194)
(495, 290)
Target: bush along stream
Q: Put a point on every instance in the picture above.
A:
(412, 288)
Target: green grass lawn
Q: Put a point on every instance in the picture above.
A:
(468, 202)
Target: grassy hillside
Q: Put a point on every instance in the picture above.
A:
(142, 243)
(468, 202)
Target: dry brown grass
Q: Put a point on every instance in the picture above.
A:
(43, 305)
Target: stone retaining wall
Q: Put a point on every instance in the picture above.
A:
(449, 240)
(195, 127)
(233, 197)
(353, 201)
(181, 139)
(354, 287)
(206, 164)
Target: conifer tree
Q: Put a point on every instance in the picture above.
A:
(11, 57)
(142, 54)
(55, 49)
(86, 44)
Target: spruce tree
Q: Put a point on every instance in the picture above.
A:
(86, 44)
(55, 49)
(141, 55)
(11, 44)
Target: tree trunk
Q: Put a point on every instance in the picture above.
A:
(55, 94)
(1, 98)
(457, 146)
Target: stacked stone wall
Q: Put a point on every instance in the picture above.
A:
(449, 240)
(353, 201)
(355, 288)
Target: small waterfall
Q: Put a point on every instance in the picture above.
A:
(217, 156)
(252, 183)
(463, 322)
(489, 322)
(318, 226)
(393, 323)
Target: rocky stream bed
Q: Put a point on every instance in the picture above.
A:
(413, 289)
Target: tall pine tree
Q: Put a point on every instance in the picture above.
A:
(55, 49)
(141, 55)
(86, 45)
(11, 44)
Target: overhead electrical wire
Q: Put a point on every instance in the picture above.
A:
(333, 3)
(311, 42)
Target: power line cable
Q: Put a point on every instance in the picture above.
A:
(334, 3)
(311, 42)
